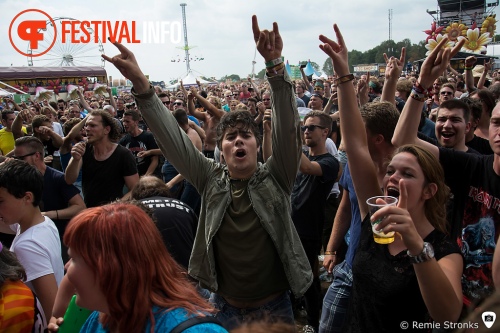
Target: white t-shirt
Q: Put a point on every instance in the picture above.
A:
(332, 149)
(57, 127)
(38, 249)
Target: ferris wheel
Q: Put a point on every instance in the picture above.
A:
(66, 53)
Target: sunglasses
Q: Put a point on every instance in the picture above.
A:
(235, 95)
(166, 103)
(310, 128)
(23, 156)
(177, 103)
(446, 93)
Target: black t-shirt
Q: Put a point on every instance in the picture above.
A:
(103, 181)
(142, 142)
(306, 99)
(309, 196)
(177, 224)
(480, 145)
(385, 290)
(476, 219)
(49, 149)
(56, 195)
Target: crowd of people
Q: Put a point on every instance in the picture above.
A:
(206, 209)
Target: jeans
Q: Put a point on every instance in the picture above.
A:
(279, 309)
(336, 300)
(191, 197)
(312, 296)
(169, 172)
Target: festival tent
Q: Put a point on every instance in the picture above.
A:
(5, 92)
(309, 70)
(288, 69)
(322, 76)
(188, 81)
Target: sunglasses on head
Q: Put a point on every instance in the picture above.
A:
(23, 156)
(310, 128)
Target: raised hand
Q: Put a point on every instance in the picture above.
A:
(269, 43)
(394, 66)
(435, 64)
(337, 51)
(488, 65)
(470, 61)
(183, 89)
(126, 63)
(267, 120)
(78, 150)
(261, 107)
(398, 219)
(193, 90)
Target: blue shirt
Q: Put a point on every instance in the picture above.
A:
(164, 322)
(355, 230)
(194, 120)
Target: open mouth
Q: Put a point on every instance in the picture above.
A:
(447, 135)
(241, 153)
(393, 192)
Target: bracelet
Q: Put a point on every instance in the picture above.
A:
(344, 79)
(331, 253)
(468, 68)
(419, 97)
(275, 69)
(418, 88)
(275, 62)
(57, 215)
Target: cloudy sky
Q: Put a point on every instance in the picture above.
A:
(221, 30)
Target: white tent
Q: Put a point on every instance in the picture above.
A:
(5, 92)
(322, 76)
(188, 81)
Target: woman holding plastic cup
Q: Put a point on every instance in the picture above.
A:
(415, 279)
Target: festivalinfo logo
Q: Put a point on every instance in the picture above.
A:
(41, 31)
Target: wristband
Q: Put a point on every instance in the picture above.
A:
(275, 62)
(275, 69)
(468, 68)
(344, 79)
(418, 96)
(331, 253)
(418, 88)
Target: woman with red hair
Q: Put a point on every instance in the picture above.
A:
(121, 269)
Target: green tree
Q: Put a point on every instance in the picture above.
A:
(315, 66)
(261, 74)
(376, 55)
(232, 77)
(328, 66)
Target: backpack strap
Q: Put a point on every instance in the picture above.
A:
(194, 321)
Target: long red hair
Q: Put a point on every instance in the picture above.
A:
(122, 245)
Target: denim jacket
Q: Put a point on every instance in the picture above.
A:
(269, 188)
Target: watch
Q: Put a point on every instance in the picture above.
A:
(426, 254)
